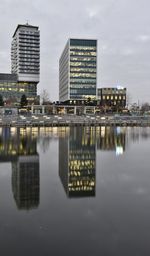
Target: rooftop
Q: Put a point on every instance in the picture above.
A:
(24, 26)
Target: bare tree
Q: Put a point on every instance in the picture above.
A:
(145, 107)
(45, 97)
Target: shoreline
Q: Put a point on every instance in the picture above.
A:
(72, 120)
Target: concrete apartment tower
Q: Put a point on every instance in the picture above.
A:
(25, 59)
(78, 71)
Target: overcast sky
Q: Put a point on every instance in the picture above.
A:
(122, 28)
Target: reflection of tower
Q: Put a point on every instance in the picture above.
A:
(25, 181)
(77, 162)
(14, 143)
(112, 138)
(19, 146)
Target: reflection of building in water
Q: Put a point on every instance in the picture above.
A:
(13, 143)
(112, 138)
(77, 162)
(25, 181)
(135, 134)
(20, 147)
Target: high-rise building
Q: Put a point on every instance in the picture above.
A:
(78, 71)
(25, 59)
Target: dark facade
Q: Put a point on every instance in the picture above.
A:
(78, 71)
(112, 98)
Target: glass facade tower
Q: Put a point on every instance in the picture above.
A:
(78, 70)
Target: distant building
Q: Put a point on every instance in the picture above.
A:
(78, 71)
(25, 60)
(113, 98)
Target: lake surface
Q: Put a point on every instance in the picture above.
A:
(75, 191)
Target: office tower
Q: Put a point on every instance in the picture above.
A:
(25, 59)
(77, 162)
(78, 71)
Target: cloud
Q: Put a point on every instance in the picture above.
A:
(143, 38)
(141, 191)
(92, 12)
(128, 52)
(121, 31)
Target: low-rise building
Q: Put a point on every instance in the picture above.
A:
(12, 90)
(112, 98)
(8, 87)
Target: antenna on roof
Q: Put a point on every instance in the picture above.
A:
(27, 23)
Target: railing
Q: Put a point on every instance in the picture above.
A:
(69, 120)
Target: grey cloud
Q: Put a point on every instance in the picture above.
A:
(121, 27)
(143, 38)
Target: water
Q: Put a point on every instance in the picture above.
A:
(77, 191)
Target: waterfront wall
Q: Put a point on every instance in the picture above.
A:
(71, 120)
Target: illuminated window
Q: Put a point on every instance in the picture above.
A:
(82, 75)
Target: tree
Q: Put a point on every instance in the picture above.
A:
(88, 101)
(145, 107)
(23, 101)
(11, 100)
(45, 97)
(1, 100)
